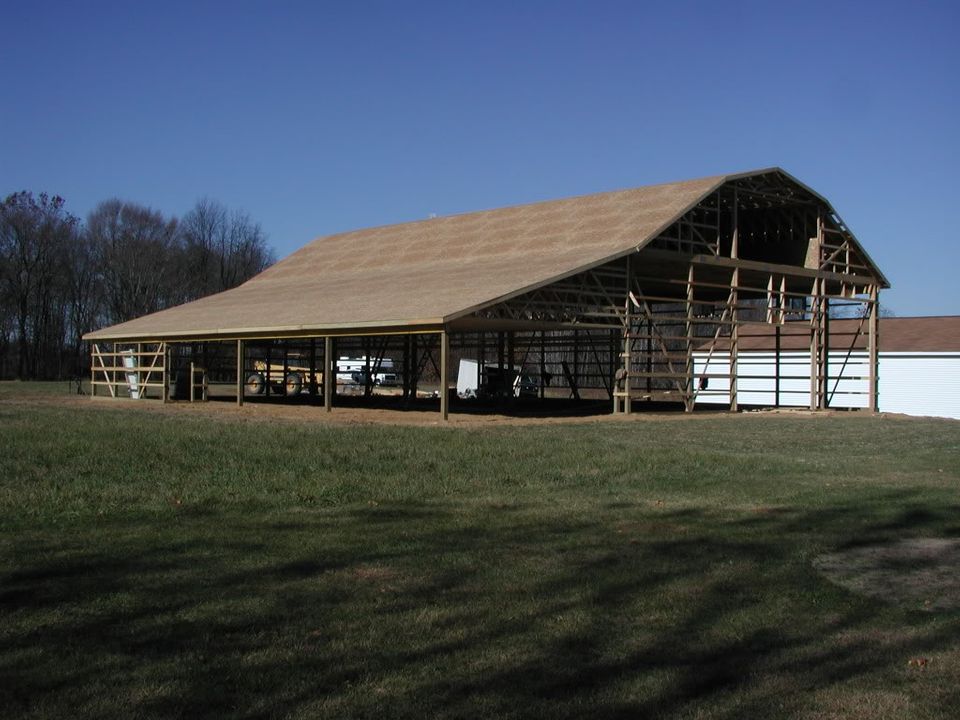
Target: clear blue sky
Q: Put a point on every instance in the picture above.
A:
(320, 117)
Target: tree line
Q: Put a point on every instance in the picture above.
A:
(61, 277)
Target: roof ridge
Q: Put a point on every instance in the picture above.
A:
(722, 177)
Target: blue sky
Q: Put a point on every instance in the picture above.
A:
(319, 117)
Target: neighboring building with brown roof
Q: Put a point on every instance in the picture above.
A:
(919, 365)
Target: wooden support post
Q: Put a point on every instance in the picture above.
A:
(648, 343)
(239, 373)
(783, 299)
(814, 343)
(93, 372)
(576, 357)
(621, 391)
(824, 348)
(771, 306)
(627, 357)
(874, 349)
(166, 373)
(735, 240)
(734, 338)
(405, 377)
(776, 366)
(312, 380)
(543, 363)
(734, 301)
(444, 379)
(481, 351)
(141, 391)
(612, 369)
(329, 376)
(192, 394)
(415, 367)
(267, 373)
(367, 372)
(625, 402)
(688, 397)
(284, 388)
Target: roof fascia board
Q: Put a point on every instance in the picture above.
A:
(265, 333)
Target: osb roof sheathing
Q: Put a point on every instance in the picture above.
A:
(425, 273)
(420, 273)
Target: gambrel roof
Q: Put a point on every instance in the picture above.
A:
(430, 272)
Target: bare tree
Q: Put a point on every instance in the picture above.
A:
(83, 297)
(222, 249)
(34, 235)
(203, 231)
(137, 252)
(59, 280)
(247, 252)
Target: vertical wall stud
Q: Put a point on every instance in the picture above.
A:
(444, 377)
(329, 374)
(239, 373)
(873, 349)
(734, 338)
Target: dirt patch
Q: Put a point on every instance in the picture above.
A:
(374, 573)
(920, 572)
(354, 412)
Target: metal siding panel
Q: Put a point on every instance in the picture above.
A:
(920, 385)
(849, 379)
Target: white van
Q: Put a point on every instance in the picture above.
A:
(351, 371)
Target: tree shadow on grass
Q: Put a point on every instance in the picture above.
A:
(433, 610)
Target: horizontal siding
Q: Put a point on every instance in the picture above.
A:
(913, 384)
(920, 385)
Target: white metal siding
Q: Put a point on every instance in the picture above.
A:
(756, 384)
(920, 384)
(909, 383)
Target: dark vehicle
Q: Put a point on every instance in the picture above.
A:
(503, 382)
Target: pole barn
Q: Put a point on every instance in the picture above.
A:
(622, 297)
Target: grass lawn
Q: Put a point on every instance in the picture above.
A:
(157, 562)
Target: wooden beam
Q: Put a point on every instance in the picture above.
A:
(444, 379)
(814, 344)
(764, 268)
(734, 339)
(735, 240)
(874, 349)
(93, 373)
(776, 367)
(627, 346)
(688, 396)
(329, 374)
(239, 373)
(824, 379)
(166, 372)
